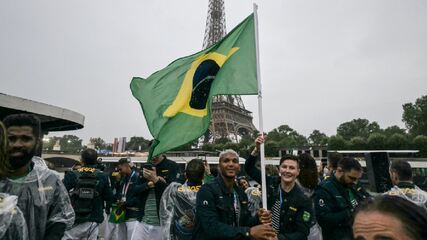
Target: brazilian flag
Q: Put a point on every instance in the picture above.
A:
(176, 100)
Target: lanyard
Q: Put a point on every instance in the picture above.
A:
(126, 186)
(236, 213)
(235, 201)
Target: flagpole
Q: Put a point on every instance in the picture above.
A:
(260, 120)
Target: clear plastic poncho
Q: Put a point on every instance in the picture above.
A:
(415, 195)
(177, 211)
(42, 199)
(12, 222)
(254, 199)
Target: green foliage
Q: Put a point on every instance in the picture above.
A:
(420, 143)
(286, 137)
(318, 138)
(98, 142)
(376, 141)
(337, 143)
(208, 147)
(48, 145)
(137, 144)
(222, 140)
(357, 128)
(397, 141)
(415, 116)
(394, 129)
(357, 143)
(271, 149)
(70, 144)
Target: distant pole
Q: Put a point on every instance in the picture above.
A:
(261, 126)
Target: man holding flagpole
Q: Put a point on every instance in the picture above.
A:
(222, 207)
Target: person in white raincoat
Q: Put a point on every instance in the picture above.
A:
(12, 222)
(42, 197)
(178, 203)
(401, 177)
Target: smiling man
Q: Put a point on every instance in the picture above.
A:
(222, 207)
(42, 197)
(337, 197)
(292, 211)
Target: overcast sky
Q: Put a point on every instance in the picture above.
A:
(323, 62)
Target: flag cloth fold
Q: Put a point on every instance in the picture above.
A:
(176, 101)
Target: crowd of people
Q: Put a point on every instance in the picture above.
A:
(158, 201)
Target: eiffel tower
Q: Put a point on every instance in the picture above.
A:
(229, 119)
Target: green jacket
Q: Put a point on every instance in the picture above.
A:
(103, 193)
(334, 208)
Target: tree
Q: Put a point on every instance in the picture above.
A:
(357, 143)
(415, 116)
(271, 148)
(222, 140)
(49, 143)
(318, 138)
(286, 137)
(98, 142)
(70, 144)
(357, 128)
(394, 129)
(397, 141)
(137, 144)
(420, 143)
(337, 143)
(377, 141)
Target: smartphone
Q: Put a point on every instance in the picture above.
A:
(148, 166)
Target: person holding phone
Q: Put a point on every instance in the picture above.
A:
(156, 176)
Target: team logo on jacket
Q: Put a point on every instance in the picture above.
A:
(321, 203)
(306, 216)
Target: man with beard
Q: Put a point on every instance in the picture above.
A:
(222, 207)
(42, 197)
(336, 198)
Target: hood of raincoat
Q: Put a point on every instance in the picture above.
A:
(42, 198)
(12, 222)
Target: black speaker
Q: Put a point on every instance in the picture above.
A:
(377, 165)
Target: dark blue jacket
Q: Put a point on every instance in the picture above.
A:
(134, 204)
(296, 212)
(103, 193)
(215, 213)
